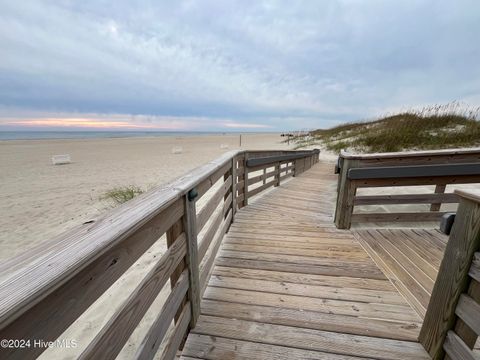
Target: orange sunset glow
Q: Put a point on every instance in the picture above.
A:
(95, 124)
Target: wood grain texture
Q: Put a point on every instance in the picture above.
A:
(456, 348)
(439, 189)
(110, 340)
(152, 340)
(56, 311)
(453, 278)
(397, 216)
(307, 339)
(171, 348)
(406, 199)
(191, 258)
(409, 257)
(469, 311)
(201, 347)
(212, 203)
(285, 281)
(207, 237)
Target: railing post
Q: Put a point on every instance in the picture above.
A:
(245, 180)
(277, 176)
(190, 228)
(172, 234)
(345, 196)
(453, 277)
(439, 189)
(234, 186)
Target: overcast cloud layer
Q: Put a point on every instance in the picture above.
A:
(213, 65)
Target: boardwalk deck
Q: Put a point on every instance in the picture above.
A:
(288, 285)
(410, 258)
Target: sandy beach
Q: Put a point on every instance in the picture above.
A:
(39, 200)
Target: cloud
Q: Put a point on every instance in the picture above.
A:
(252, 62)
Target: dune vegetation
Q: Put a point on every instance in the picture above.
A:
(435, 127)
(121, 194)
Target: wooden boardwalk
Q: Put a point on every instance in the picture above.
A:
(288, 285)
(410, 258)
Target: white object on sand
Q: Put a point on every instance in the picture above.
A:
(177, 150)
(223, 146)
(61, 159)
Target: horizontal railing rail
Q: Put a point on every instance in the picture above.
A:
(452, 320)
(44, 290)
(439, 168)
(266, 169)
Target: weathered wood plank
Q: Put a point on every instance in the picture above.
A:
(207, 238)
(317, 269)
(461, 328)
(181, 328)
(321, 292)
(208, 261)
(261, 188)
(399, 216)
(406, 199)
(341, 307)
(469, 311)
(453, 277)
(474, 271)
(306, 279)
(465, 179)
(426, 156)
(212, 203)
(439, 189)
(356, 253)
(414, 171)
(314, 320)
(346, 193)
(345, 344)
(191, 258)
(110, 340)
(262, 177)
(406, 284)
(456, 348)
(223, 348)
(57, 310)
(152, 340)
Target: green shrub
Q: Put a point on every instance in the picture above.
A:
(122, 194)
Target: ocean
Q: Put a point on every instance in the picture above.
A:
(36, 135)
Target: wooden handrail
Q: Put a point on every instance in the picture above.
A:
(278, 158)
(44, 290)
(438, 168)
(389, 172)
(452, 320)
(415, 154)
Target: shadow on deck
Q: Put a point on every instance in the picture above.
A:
(287, 284)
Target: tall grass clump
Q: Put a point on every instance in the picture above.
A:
(121, 194)
(433, 127)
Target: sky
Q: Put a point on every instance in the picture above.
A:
(231, 65)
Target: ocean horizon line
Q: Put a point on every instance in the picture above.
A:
(98, 134)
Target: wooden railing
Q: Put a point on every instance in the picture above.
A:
(452, 321)
(266, 169)
(43, 291)
(438, 168)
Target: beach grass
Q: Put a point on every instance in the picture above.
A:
(434, 127)
(121, 194)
